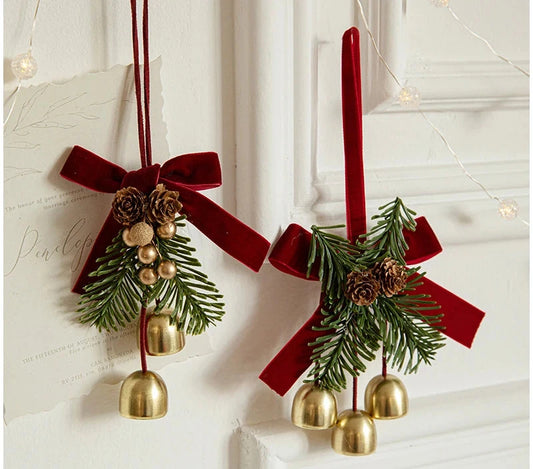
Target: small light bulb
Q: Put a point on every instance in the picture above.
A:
(440, 3)
(24, 66)
(409, 97)
(508, 209)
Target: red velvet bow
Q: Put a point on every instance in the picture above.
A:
(187, 174)
(460, 319)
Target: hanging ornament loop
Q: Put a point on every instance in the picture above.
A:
(143, 125)
(142, 90)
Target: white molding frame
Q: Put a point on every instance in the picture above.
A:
(485, 427)
(276, 57)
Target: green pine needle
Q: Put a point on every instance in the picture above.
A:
(352, 334)
(190, 294)
(114, 298)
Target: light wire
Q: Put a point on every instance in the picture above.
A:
(428, 120)
(486, 42)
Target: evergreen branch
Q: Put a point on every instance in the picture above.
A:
(409, 337)
(352, 337)
(337, 258)
(403, 322)
(386, 238)
(112, 299)
(193, 298)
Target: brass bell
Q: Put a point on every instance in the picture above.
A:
(386, 398)
(354, 434)
(163, 337)
(314, 408)
(143, 395)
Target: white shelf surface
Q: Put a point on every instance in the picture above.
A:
(478, 428)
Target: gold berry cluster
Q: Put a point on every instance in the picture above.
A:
(143, 217)
(386, 278)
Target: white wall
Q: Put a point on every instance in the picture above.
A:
(214, 395)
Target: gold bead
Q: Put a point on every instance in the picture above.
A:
(141, 234)
(143, 396)
(166, 231)
(147, 254)
(354, 434)
(162, 337)
(386, 398)
(314, 408)
(148, 276)
(167, 269)
(126, 238)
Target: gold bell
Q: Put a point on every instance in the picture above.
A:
(143, 395)
(163, 337)
(354, 434)
(386, 398)
(314, 408)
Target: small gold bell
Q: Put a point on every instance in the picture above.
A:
(162, 337)
(386, 398)
(354, 434)
(143, 396)
(314, 408)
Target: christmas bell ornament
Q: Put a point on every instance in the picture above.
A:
(143, 396)
(119, 280)
(373, 295)
(147, 254)
(162, 335)
(386, 397)
(354, 434)
(314, 408)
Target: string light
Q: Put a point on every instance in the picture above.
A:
(440, 3)
(409, 97)
(23, 66)
(508, 209)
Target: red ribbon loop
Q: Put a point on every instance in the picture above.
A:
(186, 174)
(460, 319)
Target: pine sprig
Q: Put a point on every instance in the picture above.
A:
(386, 238)
(112, 299)
(190, 294)
(352, 339)
(410, 335)
(336, 256)
(351, 333)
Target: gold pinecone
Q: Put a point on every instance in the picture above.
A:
(163, 205)
(362, 287)
(391, 275)
(129, 206)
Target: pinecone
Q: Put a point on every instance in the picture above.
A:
(129, 206)
(391, 276)
(362, 287)
(163, 205)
